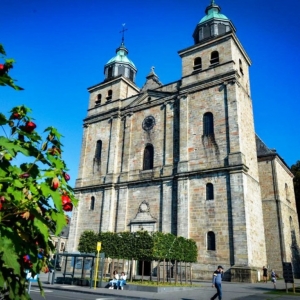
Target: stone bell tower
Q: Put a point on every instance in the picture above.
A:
(215, 85)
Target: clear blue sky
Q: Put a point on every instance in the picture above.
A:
(61, 47)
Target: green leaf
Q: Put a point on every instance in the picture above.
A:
(17, 183)
(9, 256)
(3, 119)
(2, 51)
(6, 179)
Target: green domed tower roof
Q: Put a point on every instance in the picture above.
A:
(212, 24)
(121, 56)
(213, 11)
(120, 64)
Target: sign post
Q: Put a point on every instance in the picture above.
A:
(97, 263)
(288, 274)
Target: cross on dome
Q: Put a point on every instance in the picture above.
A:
(123, 30)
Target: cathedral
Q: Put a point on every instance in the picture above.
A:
(184, 158)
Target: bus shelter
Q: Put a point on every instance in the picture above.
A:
(78, 268)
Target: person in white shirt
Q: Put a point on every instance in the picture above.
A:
(122, 281)
(114, 281)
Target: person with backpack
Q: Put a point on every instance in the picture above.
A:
(217, 282)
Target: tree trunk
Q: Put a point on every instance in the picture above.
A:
(112, 268)
(123, 265)
(185, 273)
(131, 267)
(164, 271)
(191, 273)
(176, 277)
(143, 270)
(158, 272)
(151, 268)
(180, 273)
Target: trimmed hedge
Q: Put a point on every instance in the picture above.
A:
(140, 245)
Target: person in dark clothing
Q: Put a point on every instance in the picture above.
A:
(217, 282)
(265, 274)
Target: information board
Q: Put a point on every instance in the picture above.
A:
(288, 273)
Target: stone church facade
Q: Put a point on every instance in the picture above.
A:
(184, 158)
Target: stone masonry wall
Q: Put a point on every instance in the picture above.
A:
(279, 204)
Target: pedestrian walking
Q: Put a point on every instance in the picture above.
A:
(217, 282)
(274, 278)
(265, 274)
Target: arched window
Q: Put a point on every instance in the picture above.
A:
(98, 101)
(109, 95)
(110, 72)
(209, 191)
(211, 241)
(98, 151)
(148, 157)
(208, 124)
(214, 58)
(241, 67)
(131, 75)
(197, 63)
(92, 205)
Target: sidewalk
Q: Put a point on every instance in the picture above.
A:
(231, 291)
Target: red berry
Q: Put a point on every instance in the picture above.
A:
(2, 67)
(55, 183)
(67, 176)
(29, 127)
(68, 207)
(25, 175)
(16, 116)
(65, 199)
(26, 258)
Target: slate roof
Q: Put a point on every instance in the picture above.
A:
(262, 149)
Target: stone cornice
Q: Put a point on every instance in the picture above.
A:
(216, 40)
(113, 81)
(156, 180)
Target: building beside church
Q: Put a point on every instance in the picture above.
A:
(184, 158)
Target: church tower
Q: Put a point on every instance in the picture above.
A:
(181, 157)
(217, 141)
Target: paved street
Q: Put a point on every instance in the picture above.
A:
(231, 291)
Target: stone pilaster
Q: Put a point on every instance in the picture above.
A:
(183, 135)
(122, 209)
(183, 205)
(126, 143)
(81, 173)
(169, 132)
(240, 242)
(113, 152)
(108, 210)
(166, 222)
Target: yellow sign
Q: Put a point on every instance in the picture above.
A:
(98, 246)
